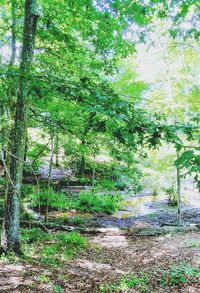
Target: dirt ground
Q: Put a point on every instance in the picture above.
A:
(107, 259)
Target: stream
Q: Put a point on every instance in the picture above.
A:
(143, 210)
(139, 210)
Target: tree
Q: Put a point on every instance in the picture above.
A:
(10, 239)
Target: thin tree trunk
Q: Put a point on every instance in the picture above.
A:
(57, 150)
(93, 175)
(13, 31)
(12, 61)
(26, 144)
(10, 239)
(49, 180)
(179, 194)
(82, 163)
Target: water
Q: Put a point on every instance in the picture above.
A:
(136, 206)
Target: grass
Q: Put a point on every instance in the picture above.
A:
(128, 282)
(85, 202)
(176, 276)
(192, 243)
(51, 248)
(152, 215)
(74, 221)
(179, 275)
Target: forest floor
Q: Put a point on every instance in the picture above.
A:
(107, 259)
(117, 262)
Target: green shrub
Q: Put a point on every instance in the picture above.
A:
(58, 288)
(51, 248)
(34, 235)
(2, 181)
(65, 245)
(75, 221)
(2, 203)
(28, 190)
(85, 202)
(97, 203)
(72, 239)
(172, 193)
(57, 200)
(128, 282)
(193, 243)
(179, 275)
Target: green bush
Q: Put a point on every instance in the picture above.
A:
(172, 194)
(51, 248)
(2, 207)
(121, 177)
(28, 190)
(87, 202)
(65, 245)
(179, 275)
(57, 200)
(75, 221)
(2, 181)
(128, 282)
(34, 235)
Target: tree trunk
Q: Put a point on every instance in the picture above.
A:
(93, 175)
(13, 31)
(10, 239)
(179, 194)
(12, 61)
(82, 162)
(57, 150)
(49, 180)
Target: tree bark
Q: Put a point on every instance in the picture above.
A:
(10, 93)
(49, 179)
(179, 194)
(13, 31)
(57, 150)
(82, 162)
(10, 239)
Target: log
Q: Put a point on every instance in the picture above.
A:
(156, 231)
(132, 232)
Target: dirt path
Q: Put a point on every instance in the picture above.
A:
(107, 259)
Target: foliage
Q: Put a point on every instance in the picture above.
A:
(190, 160)
(114, 175)
(179, 275)
(58, 288)
(84, 88)
(87, 202)
(128, 282)
(70, 220)
(62, 245)
(172, 193)
(57, 200)
(192, 243)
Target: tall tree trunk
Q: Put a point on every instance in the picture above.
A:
(12, 61)
(57, 149)
(179, 194)
(13, 31)
(26, 145)
(82, 162)
(93, 175)
(10, 239)
(49, 180)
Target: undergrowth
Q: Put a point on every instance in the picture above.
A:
(85, 202)
(176, 276)
(51, 248)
